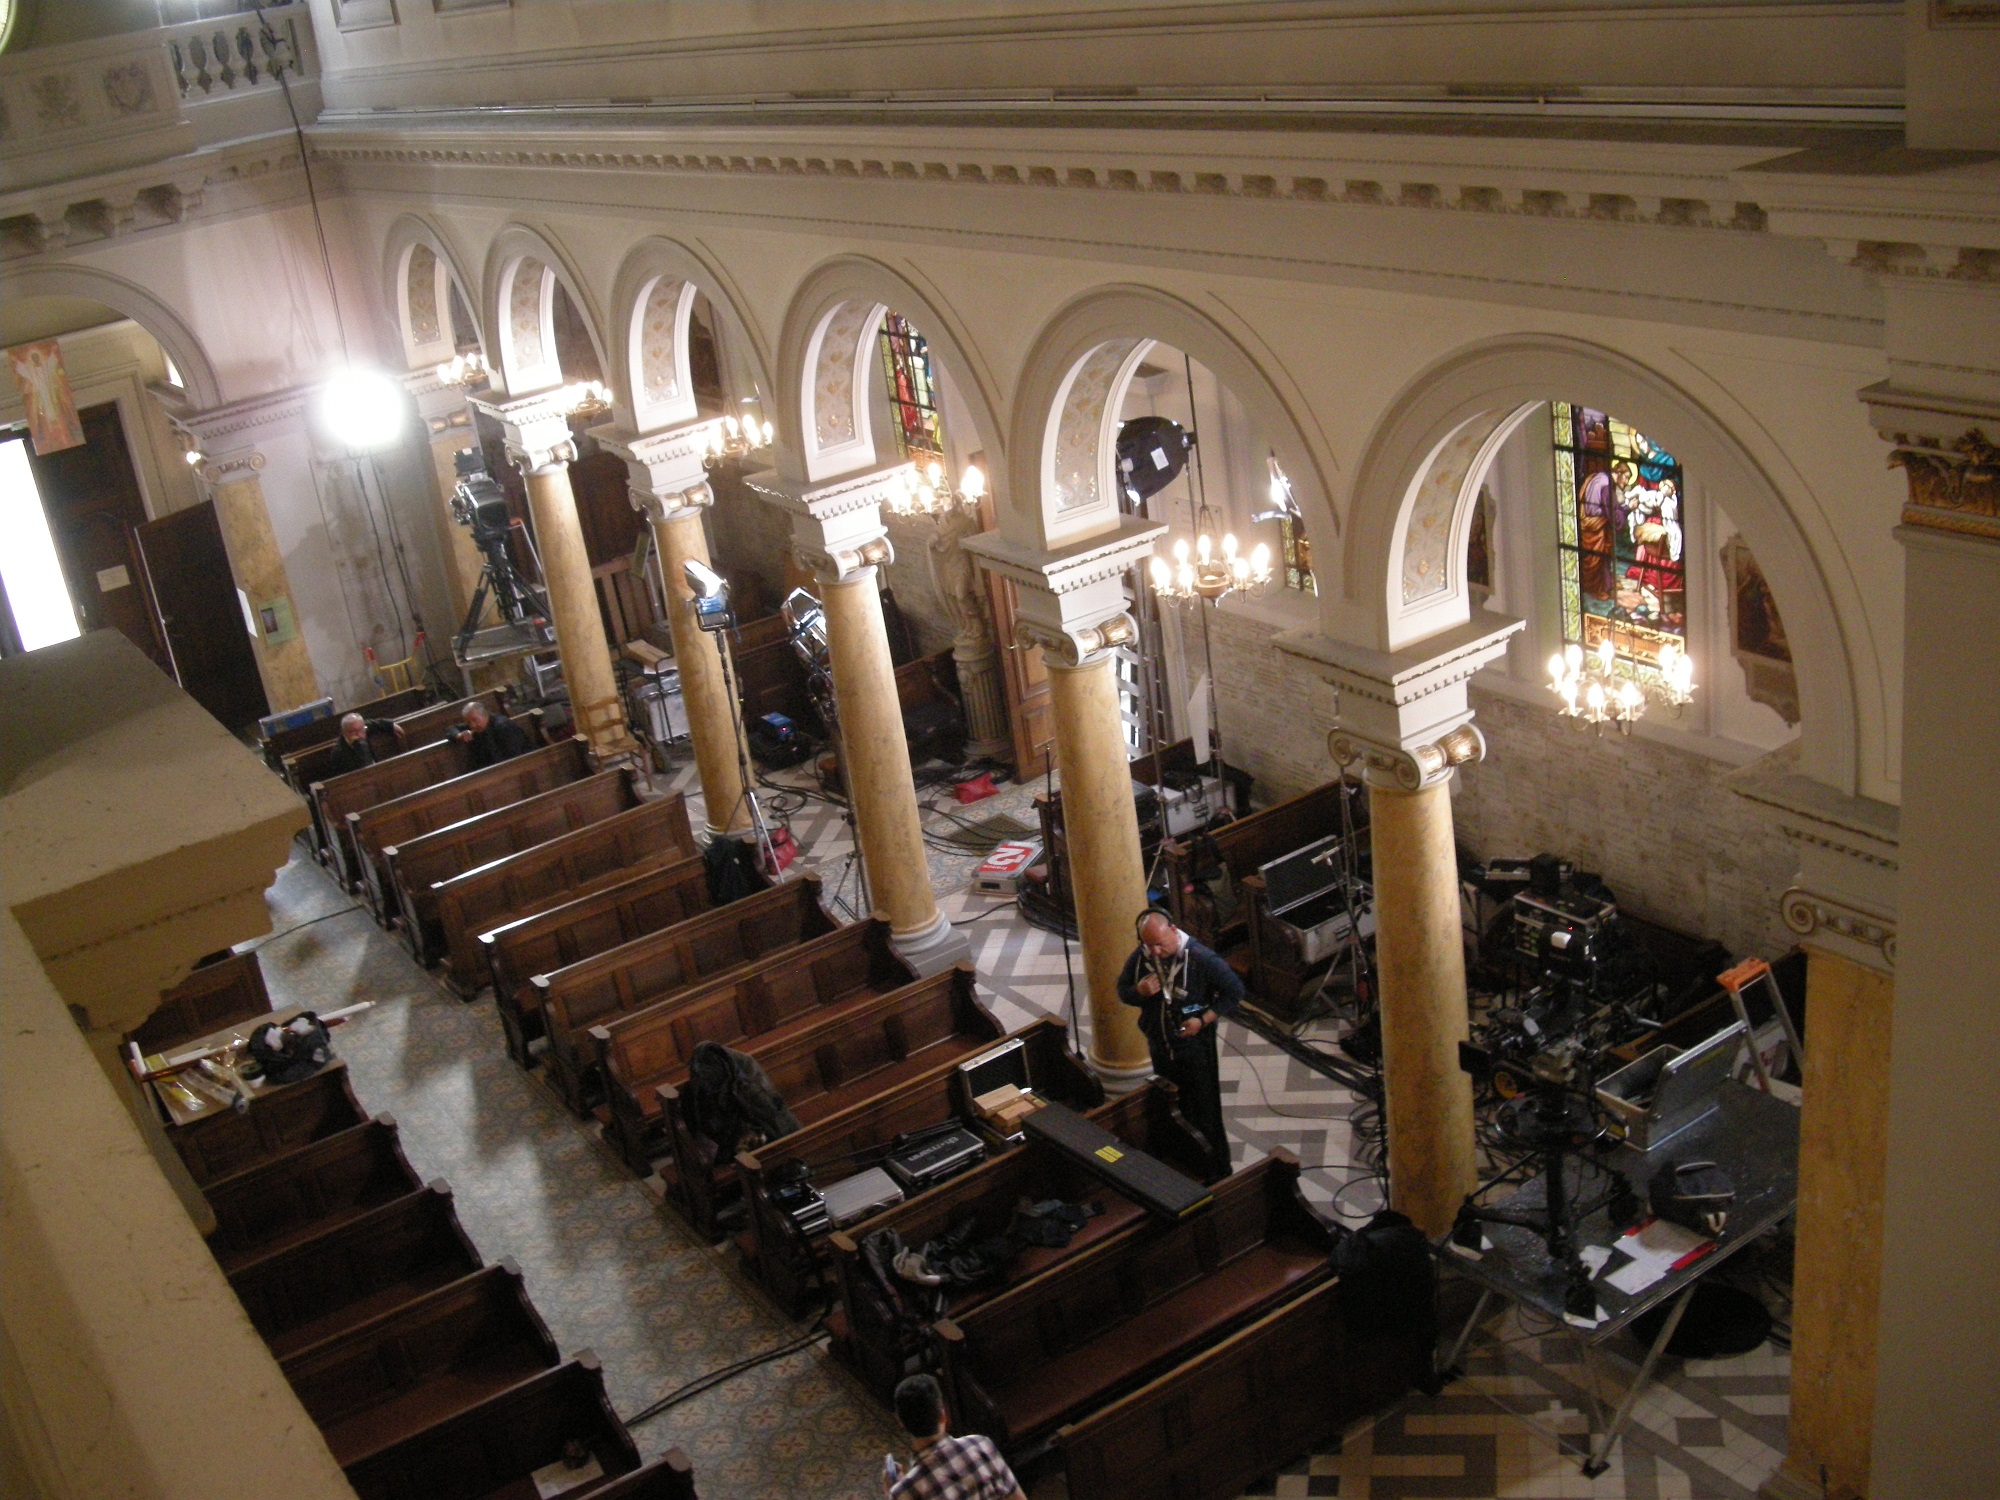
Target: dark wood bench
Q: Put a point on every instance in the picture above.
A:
(490, 1449)
(651, 968)
(350, 1272)
(632, 1054)
(333, 799)
(424, 724)
(212, 997)
(384, 1381)
(306, 1191)
(1231, 854)
(788, 1265)
(278, 1120)
(599, 916)
(416, 866)
(289, 743)
(1108, 1320)
(517, 885)
(440, 804)
(1263, 1397)
(668, 1477)
(881, 1346)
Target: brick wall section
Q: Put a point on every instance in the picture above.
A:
(1660, 824)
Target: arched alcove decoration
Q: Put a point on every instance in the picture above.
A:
(1482, 393)
(523, 269)
(1062, 453)
(420, 274)
(654, 295)
(198, 377)
(826, 352)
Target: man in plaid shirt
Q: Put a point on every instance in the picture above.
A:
(944, 1468)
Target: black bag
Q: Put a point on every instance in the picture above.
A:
(1388, 1289)
(294, 1051)
(1693, 1194)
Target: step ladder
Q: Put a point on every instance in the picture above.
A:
(1738, 981)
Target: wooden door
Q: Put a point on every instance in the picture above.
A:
(200, 614)
(1030, 713)
(91, 496)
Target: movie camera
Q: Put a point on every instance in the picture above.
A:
(480, 505)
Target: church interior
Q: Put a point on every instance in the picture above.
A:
(1197, 716)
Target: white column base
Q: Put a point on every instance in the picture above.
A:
(1118, 1081)
(933, 949)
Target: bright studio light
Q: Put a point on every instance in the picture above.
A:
(363, 408)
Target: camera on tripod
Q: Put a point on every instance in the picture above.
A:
(478, 502)
(480, 505)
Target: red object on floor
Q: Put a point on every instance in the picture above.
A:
(784, 849)
(976, 789)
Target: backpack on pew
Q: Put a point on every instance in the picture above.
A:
(1388, 1289)
(292, 1052)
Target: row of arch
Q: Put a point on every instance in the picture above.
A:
(1050, 441)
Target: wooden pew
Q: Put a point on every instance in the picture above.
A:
(212, 997)
(306, 1191)
(787, 1265)
(668, 1477)
(621, 906)
(1274, 1390)
(490, 1449)
(384, 1381)
(424, 724)
(870, 1338)
(1043, 1353)
(635, 974)
(440, 804)
(835, 1062)
(440, 719)
(416, 866)
(516, 885)
(1238, 848)
(354, 1270)
(278, 1120)
(332, 800)
(629, 1055)
(291, 742)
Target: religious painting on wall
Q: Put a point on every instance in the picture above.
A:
(1757, 636)
(53, 424)
(1619, 536)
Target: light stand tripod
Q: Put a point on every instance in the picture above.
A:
(806, 620)
(713, 615)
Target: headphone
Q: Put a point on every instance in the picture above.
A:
(1139, 922)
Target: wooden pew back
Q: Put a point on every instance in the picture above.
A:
(398, 776)
(304, 736)
(466, 1341)
(660, 964)
(1241, 847)
(621, 907)
(277, 1121)
(219, 995)
(495, 893)
(354, 1270)
(278, 1201)
(1018, 1362)
(443, 803)
(415, 867)
(636, 1052)
(438, 719)
(481, 1451)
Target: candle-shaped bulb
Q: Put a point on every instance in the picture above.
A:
(973, 486)
(1162, 574)
(1607, 654)
(1573, 656)
(1595, 697)
(1260, 559)
(1556, 672)
(934, 471)
(1180, 549)
(729, 425)
(1203, 546)
(1229, 544)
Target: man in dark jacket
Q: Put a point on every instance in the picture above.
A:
(493, 737)
(352, 750)
(1181, 989)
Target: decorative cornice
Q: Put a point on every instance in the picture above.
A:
(214, 427)
(535, 428)
(1407, 768)
(846, 496)
(1815, 915)
(1396, 679)
(1071, 566)
(667, 473)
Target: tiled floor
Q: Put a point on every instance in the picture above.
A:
(614, 1271)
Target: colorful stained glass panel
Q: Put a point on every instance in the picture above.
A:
(1619, 535)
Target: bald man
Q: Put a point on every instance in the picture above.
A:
(1181, 989)
(493, 737)
(352, 750)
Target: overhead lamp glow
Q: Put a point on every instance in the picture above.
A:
(362, 408)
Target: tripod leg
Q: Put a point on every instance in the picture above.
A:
(1465, 1333)
(1597, 1463)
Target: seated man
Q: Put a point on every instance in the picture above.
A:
(493, 737)
(352, 751)
(944, 1467)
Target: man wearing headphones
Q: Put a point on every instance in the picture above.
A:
(1180, 990)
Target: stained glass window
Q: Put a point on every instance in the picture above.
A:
(906, 370)
(1618, 536)
(1295, 548)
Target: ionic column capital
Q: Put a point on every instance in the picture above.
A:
(1408, 768)
(1081, 646)
(837, 526)
(535, 429)
(231, 467)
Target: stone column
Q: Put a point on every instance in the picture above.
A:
(668, 488)
(838, 530)
(956, 579)
(448, 423)
(258, 567)
(538, 441)
(1073, 609)
(1404, 719)
(1842, 910)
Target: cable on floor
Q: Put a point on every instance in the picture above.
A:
(714, 1378)
(300, 926)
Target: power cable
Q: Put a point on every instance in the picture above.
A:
(708, 1382)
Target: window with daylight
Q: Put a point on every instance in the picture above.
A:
(1619, 538)
(1295, 550)
(906, 370)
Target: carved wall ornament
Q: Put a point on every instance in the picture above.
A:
(524, 315)
(1413, 768)
(956, 577)
(1954, 487)
(834, 376)
(128, 89)
(1427, 535)
(58, 104)
(1080, 429)
(1807, 912)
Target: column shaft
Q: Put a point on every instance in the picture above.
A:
(586, 657)
(1106, 872)
(259, 566)
(1837, 1273)
(715, 720)
(463, 562)
(1420, 956)
(875, 759)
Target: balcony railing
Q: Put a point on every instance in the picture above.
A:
(235, 53)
